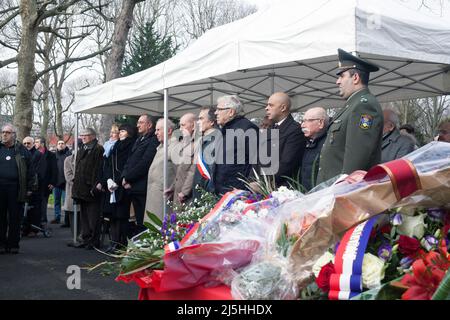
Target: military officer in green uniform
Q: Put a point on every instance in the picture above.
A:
(354, 136)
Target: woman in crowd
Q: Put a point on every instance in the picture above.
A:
(117, 201)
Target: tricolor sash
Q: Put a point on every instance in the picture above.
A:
(202, 167)
(346, 282)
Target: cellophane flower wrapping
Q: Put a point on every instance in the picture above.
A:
(319, 219)
(232, 236)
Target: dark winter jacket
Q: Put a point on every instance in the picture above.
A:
(136, 168)
(226, 176)
(310, 163)
(87, 165)
(114, 164)
(23, 160)
(46, 169)
(60, 157)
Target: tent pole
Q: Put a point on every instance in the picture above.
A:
(166, 141)
(75, 151)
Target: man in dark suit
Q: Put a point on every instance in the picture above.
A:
(135, 171)
(291, 141)
(354, 136)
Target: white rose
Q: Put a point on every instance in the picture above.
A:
(372, 271)
(323, 260)
(412, 226)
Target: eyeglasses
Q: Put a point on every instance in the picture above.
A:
(220, 109)
(25, 143)
(309, 120)
(7, 132)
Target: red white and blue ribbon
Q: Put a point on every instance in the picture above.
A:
(225, 203)
(346, 282)
(202, 167)
(175, 245)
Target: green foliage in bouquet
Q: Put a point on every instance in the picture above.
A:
(146, 250)
(284, 241)
(262, 184)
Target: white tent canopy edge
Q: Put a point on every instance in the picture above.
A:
(253, 57)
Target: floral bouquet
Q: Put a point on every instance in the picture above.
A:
(316, 221)
(202, 244)
(406, 258)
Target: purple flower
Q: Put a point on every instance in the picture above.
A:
(336, 247)
(173, 218)
(172, 237)
(397, 219)
(190, 227)
(436, 214)
(385, 251)
(429, 242)
(406, 262)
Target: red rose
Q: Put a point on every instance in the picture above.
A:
(408, 246)
(323, 280)
(386, 229)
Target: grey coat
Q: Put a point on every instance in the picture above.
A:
(395, 146)
(69, 176)
(155, 185)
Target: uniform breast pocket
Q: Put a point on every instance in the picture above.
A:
(334, 132)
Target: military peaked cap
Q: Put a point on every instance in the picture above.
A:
(348, 61)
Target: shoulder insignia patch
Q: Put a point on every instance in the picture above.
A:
(366, 121)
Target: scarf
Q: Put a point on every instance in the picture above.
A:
(108, 147)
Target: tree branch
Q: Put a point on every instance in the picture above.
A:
(70, 60)
(8, 61)
(8, 19)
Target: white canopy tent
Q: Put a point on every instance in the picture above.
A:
(292, 47)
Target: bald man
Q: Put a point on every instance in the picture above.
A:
(183, 157)
(291, 142)
(314, 126)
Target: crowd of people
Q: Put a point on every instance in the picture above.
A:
(216, 150)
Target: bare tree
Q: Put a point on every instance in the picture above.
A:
(424, 114)
(198, 16)
(33, 13)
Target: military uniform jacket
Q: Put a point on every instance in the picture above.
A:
(354, 137)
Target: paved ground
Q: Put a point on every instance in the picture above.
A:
(39, 271)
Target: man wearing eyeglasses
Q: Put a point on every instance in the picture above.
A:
(444, 131)
(314, 126)
(354, 136)
(14, 188)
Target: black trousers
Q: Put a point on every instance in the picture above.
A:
(90, 219)
(33, 216)
(10, 216)
(138, 201)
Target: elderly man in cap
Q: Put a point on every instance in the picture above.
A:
(394, 145)
(354, 136)
(88, 163)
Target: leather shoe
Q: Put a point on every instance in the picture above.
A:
(55, 221)
(13, 250)
(80, 245)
